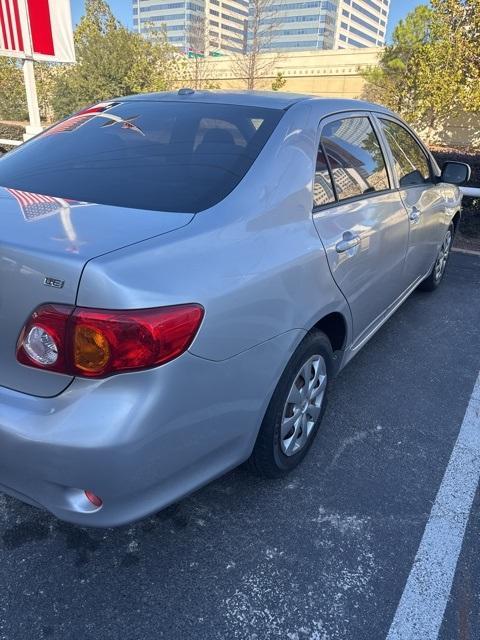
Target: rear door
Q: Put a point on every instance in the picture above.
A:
(422, 196)
(359, 217)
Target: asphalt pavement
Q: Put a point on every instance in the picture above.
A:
(324, 554)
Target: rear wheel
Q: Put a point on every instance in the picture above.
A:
(295, 410)
(436, 274)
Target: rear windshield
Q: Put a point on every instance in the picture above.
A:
(164, 156)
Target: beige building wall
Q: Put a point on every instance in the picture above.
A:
(334, 73)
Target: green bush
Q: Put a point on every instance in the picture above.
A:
(10, 132)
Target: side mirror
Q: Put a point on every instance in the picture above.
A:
(456, 173)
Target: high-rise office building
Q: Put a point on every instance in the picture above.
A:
(361, 23)
(196, 25)
(222, 25)
(326, 24)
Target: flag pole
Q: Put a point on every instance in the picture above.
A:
(35, 125)
(32, 100)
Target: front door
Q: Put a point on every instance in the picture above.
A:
(423, 198)
(360, 219)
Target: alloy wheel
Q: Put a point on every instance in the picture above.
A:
(303, 406)
(442, 257)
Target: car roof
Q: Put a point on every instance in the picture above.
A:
(270, 99)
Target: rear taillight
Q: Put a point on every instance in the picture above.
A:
(95, 343)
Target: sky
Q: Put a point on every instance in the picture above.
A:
(123, 11)
(398, 10)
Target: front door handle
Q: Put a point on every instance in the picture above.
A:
(414, 215)
(349, 241)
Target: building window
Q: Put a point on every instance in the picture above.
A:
(365, 24)
(356, 43)
(362, 34)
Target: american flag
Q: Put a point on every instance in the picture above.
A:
(11, 38)
(41, 29)
(35, 205)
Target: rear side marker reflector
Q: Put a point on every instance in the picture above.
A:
(96, 343)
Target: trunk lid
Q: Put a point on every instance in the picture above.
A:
(43, 237)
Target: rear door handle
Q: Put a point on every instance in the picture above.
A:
(349, 241)
(414, 215)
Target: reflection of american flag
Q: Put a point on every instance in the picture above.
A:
(35, 205)
(78, 119)
(70, 124)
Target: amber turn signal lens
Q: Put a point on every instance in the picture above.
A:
(92, 351)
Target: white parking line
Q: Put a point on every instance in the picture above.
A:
(470, 252)
(422, 605)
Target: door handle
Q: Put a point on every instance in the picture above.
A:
(349, 241)
(414, 215)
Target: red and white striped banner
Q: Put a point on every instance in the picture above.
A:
(40, 29)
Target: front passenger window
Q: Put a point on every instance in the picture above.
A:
(411, 164)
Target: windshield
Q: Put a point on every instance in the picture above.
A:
(164, 156)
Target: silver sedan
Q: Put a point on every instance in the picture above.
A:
(183, 274)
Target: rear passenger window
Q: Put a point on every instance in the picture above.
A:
(355, 157)
(322, 187)
(411, 164)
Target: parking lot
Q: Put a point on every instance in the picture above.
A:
(324, 554)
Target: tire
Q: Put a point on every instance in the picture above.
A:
(282, 445)
(434, 278)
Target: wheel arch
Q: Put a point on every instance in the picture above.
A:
(456, 222)
(334, 326)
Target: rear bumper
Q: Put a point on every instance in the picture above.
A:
(140, 441)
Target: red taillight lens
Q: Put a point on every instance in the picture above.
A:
(96, 343)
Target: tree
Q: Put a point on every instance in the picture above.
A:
(392, 82)
(197, 64)
(112, 61)
(252, 65)
(448, 73)
(46, 76)
(13, 103)
(431, 71)
(158, 66)
(279, 82)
